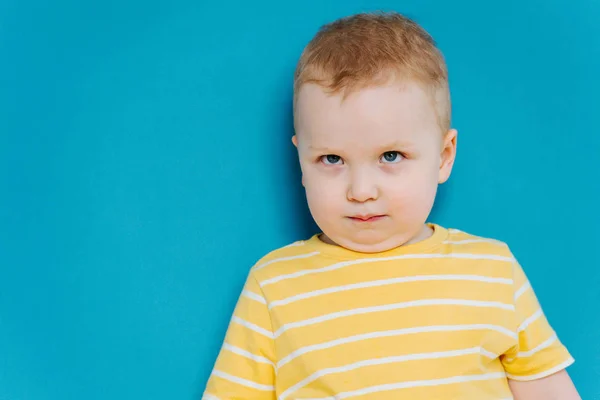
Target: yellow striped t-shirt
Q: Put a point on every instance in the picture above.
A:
(450, 317)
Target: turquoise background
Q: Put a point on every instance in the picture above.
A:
(146, 164)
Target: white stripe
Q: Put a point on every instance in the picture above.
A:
(397, 332)
(522, 290)
(488, 354)
(469, 241)
(253, 327)
(541, 347)
(298, 243)
(344, 264)
(300, 256)
(247, 354)
(542, 374)
(411, 384)
(208, 396)
(530, 320)
(384, 282)
(254, 296)
(388, 307)
(382, 361)
(243, 382)
(452, 230)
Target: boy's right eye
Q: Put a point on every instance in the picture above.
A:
(331, 159)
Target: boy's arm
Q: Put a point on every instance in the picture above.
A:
(535, 365)
(558, 386)
(245, 367)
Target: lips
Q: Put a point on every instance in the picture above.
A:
(366, 217)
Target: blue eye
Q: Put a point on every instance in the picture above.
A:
(331, 159)
(391, 157)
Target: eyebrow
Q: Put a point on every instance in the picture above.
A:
(396, 145)
(321, 149)
(390, 146)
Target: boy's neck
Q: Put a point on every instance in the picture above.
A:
(423, 234)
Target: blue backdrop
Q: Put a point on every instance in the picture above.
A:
(146, 164)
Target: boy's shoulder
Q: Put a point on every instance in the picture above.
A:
(293, 253)
(461, 235)
(462, 241)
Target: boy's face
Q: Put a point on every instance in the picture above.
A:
(371, 163)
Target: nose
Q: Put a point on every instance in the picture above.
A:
(362, 187)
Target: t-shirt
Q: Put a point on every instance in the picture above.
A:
(450, 317)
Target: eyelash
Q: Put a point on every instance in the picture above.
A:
(323, 158)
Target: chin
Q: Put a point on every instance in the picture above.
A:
(372, 244)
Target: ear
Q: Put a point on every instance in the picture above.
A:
(448, 155)
(295, 141)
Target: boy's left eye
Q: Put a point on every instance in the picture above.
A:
(391, 157)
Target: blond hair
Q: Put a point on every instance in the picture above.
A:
(369, 49)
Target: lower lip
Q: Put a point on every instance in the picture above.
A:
(372, 219)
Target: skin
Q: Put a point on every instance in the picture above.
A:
(558, 386)
(380, 153)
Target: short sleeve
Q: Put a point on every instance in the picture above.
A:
(245, 367)
(538, 352)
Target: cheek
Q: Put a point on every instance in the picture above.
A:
(321, 193)
(323, 204)
(416, 189)
(325, 196)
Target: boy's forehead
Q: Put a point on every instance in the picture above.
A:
(373, 116)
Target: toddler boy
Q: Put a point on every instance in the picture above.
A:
(383, 304)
